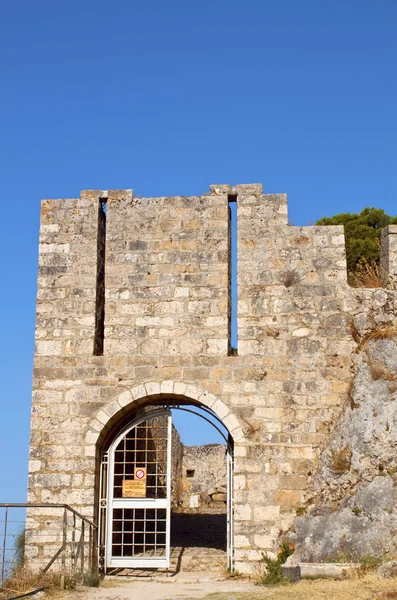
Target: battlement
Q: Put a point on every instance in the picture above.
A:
(152, 275)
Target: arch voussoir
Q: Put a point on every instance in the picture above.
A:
(129, 397)
(124, 399)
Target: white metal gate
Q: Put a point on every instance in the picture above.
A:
(138, 494)
(229, 485)
(135, 532)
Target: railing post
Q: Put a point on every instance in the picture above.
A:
(64, 539)
(82, 549)
(3, 559)
(73, 553)
(90, 565)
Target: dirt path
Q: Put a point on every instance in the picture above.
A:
(181, 587)
(188, 586)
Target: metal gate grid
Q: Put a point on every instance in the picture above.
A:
(138, 528)
(143, 446)
(135, 532)
(139, 532)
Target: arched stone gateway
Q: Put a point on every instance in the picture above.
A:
(134, 307)
(108, 430)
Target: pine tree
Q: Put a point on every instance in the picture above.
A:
(362, 234)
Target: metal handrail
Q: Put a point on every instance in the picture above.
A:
(75, 556)
(47, 505)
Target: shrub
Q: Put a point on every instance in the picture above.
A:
(367, 274)
(341, 460)
(91, 579)
(290, 277)
(379, 371)
(272, 575)
(362, 234)
(19, 549)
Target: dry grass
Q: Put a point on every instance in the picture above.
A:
(366, 275)
(23, 581)
(367, 587)
(340, 460)
(354, 331)
(272, 332)
(389, 332)
(350, 394)
(252, 427)
(289, 278)
(379, 371)
(301, 240)
(227, 574)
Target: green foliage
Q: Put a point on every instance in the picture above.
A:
(362, 233)
(300, 511)
(228, 574)
(91, 579)
(370, 561)
(19, 548)
(272, 576)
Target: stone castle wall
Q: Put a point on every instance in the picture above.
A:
(204, 476)
(176, 467)
(166, 335)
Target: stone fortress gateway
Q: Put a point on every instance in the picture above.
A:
(134, 314)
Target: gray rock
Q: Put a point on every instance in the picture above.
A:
(361, 528)
(205, 499)
(219, 497)
(352, 513)
(388, 570)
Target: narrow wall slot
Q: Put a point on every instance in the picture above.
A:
(232, 347)
(100, 279)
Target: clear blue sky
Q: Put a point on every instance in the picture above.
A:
(167, 98)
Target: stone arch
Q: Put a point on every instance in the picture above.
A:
(164, 389)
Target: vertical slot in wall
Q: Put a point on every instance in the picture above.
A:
(100, 279)
(232, 295)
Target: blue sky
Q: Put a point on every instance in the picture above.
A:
(167, 98)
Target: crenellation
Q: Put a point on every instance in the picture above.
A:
(388, 259)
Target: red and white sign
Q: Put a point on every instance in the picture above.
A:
(140, 474)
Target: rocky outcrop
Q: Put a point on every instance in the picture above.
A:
(388, 570)
(350, 512)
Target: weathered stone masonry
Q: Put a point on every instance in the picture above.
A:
(166, 336)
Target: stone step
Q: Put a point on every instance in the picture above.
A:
(192, 559)
(189, 551)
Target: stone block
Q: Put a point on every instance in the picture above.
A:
(241, 541)
(266, 513)
(242, 512)
(287, 499)
(265, 542)
(219, 497)
(49, 348)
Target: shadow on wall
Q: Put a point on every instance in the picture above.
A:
(199, 530)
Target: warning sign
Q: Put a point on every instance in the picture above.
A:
(135, 488)
(140, 474)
